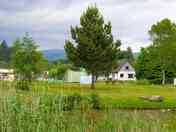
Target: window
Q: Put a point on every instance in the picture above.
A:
(127, 67)
(130, 76)
(121, 75)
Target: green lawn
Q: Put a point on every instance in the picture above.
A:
(119, 95)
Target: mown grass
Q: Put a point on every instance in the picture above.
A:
(119, 95)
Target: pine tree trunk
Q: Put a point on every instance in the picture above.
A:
(163, 77)
(93, 82)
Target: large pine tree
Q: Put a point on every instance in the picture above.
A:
(93, 46)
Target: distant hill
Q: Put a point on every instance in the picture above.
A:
(54, 54)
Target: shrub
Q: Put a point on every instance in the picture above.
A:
(94, 101)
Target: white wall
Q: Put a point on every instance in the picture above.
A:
(7, 74)
(125, 72)
(175, 81)
(125, 75)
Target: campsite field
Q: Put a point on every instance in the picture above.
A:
(44, 108)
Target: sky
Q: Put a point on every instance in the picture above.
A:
(48, 21)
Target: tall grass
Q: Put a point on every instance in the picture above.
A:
(46, 113)
(41, 111)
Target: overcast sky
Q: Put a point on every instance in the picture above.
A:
(49, 21)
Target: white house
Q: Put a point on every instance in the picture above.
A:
(124, 72)
(7, 74)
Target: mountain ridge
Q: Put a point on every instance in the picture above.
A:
(55, 54)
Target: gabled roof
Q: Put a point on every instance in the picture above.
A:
(121, 63)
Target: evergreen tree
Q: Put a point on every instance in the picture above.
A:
(128, 55)
(4, 52)
(93, 46)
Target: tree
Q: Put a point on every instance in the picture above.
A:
(148, 68)
(128, 54)
(163, 35)
(26, 60)
(5, 52)
(157, 62)
(93, 47)
(57, 70)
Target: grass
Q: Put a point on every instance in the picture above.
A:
(41, 109)
(41, 115)
(119, 95)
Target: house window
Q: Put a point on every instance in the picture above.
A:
(121, 75)
(130, 76)
(127, 67)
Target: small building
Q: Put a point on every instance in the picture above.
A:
(124, 72)
(7, 74)
(72, 76)
(174, 81)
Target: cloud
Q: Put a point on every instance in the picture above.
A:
(48, 22)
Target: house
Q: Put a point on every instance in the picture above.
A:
(7, 74)
(72, 76)
(124, 72)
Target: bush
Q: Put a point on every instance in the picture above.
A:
(94, 101)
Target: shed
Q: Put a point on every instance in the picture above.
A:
(72, 76)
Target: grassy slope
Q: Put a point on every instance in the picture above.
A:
(120, 95)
